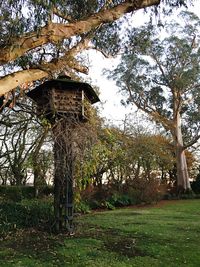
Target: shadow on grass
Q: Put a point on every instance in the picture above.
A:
(44, 248)
(32, 244)
(114, 240)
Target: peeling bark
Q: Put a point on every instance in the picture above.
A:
(182, 171)
(13, 80)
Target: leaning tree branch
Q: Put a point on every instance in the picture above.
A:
(56, 32)
(101, 51)
(160, 68)
(11, 81)
(68, 59)
(24, 77)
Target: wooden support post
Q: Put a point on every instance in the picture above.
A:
(69, 209)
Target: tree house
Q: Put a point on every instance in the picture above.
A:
(63, 101)
(63, 97)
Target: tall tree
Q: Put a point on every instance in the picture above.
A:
(41, 38)
(161, 76)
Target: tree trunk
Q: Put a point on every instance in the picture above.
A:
(38, 178)
(183, 182)
(58, 184)
(182, 171)
(63, 177)
(18, 176)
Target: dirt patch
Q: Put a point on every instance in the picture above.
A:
(96, 232)
(126, 247)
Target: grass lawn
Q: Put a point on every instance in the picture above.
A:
(163, 235)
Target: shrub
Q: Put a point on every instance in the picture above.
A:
(134, 195)
(27, 213)
(46, 190)
(28, 192)
(82, 207)
(119, 200)
(143, 189)
(104, 204)
(95, 204)
(196, 185)
(13, 193)
(17, 193)
(188, 195)
(38, 212)
(109, 206)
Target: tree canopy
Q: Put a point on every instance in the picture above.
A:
(39, 39)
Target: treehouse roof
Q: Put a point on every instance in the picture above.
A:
(65, 83)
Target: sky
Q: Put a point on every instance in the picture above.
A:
(110, 97)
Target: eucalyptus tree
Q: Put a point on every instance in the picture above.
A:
(39, 39)
(160, 74)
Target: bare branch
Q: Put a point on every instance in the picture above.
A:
(167, 124)
(195, 139)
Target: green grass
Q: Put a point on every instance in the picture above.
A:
(165, 236)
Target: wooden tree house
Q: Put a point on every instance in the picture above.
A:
(64, 103)
(63, 97)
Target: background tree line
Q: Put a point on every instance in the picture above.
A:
(109, 160)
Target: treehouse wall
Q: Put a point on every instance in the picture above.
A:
(65, 102)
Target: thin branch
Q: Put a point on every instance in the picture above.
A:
(59, 14)
(167, 124)
(160, 68)
(101, 51)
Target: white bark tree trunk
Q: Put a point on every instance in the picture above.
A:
(183, 182)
